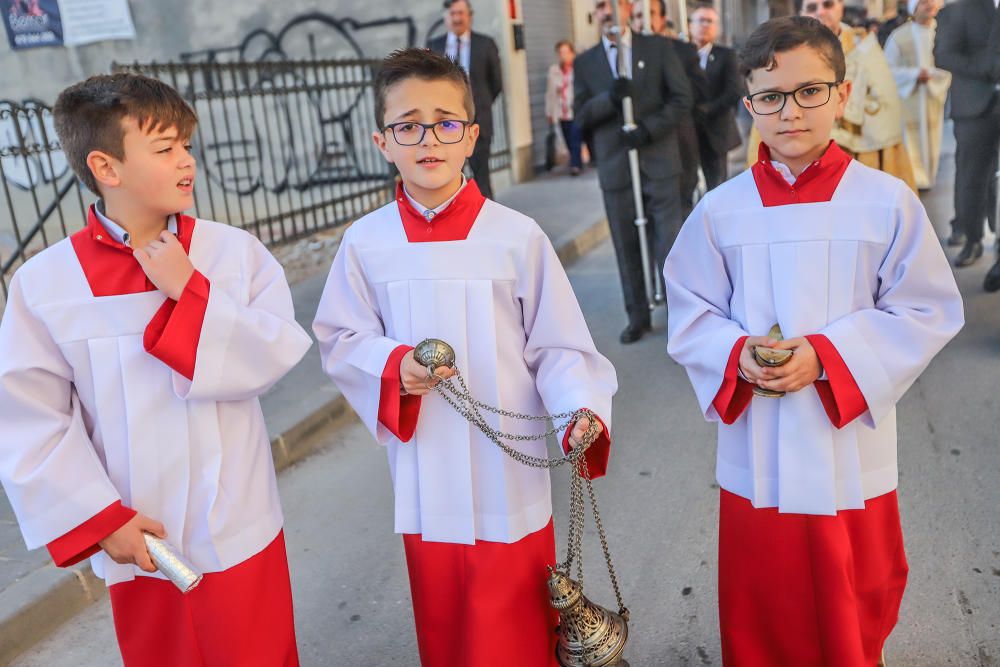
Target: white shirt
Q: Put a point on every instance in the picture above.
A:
(429, 214)
(451, 49)
(118, 232)
(611, 49)
(703, 54)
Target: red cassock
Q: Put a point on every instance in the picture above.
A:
(800, 589)
(241, 613)
(476, 525)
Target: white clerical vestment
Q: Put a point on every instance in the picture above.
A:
(865, 270)
(485, 279)
(909, 50)
(111, 393)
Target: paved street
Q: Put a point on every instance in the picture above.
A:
(660, 505)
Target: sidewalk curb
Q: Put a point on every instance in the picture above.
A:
(34, 607)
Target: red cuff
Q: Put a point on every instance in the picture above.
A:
(172, 335)
(396, 412)
(81, 542)
(735, 393)
(842, 398)
(597, 454)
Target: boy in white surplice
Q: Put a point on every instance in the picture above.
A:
(131, 358)
(441, 261)
(843, 258)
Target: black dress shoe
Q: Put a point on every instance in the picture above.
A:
(634, 332)
(971, 253)
(956, 239)
(992, 281)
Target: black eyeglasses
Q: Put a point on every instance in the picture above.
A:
(809, 96)
(408, 133)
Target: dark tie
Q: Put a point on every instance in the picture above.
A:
(613, 50)
(458, 53)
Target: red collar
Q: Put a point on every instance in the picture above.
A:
(816, 184)
(452, 224)
(109, 266)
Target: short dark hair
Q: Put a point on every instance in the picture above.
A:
(786, 33)
(449, 3)
(663, 7)
(88, 116)
(422, 64)
(565, 42)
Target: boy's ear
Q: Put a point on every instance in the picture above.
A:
(380, 144)
(102, 166)
(473, 136)
(844, 92)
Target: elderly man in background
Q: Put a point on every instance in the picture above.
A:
(922, 86)
(478, 55)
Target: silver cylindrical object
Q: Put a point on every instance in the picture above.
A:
(172, 564)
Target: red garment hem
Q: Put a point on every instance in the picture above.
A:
(799, 589)
(842, 398)
(397, 412)
(467, 614)
(82, 541)
(240, 616)
(597, 454)
(735, 393)
(172, 336)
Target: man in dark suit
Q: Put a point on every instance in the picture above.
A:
(479, 57)
(968, 46)
(715, 117)
(687, 134)
(661, 95)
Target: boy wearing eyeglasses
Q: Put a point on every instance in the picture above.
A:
(842, 260)
(441, 261)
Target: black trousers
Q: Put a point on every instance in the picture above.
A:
(663, 214)
(714, 165)
(479, 163)
(978, 144)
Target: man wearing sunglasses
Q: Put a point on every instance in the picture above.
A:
(871, 129)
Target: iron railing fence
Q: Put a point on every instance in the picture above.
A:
(284, 150)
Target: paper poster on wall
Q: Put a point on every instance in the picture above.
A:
(86, 21)
(33, 23)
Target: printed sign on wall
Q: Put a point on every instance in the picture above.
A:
(33, 23)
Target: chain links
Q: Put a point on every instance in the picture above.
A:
(468, 407)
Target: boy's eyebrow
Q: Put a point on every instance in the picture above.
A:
(439, 111)
(797, 86)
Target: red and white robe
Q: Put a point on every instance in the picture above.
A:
(811, 562)
(114, 400)
(477, 525)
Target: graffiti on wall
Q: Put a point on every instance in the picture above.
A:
(312, 138)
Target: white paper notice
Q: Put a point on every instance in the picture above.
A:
(86, 21)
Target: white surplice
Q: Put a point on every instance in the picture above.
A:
(88, 417)
(910, 49)
(502, 299)
(864, 269)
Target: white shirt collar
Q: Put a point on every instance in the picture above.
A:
(626, 40)
(783, 169)
(430, 214)
(118, 232)
(465, 37)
